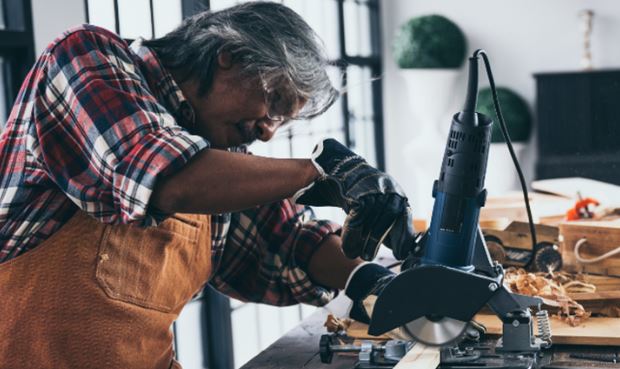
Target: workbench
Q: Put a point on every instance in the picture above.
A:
(299, 348)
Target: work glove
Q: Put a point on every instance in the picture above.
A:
(367, 279)
(377, 208)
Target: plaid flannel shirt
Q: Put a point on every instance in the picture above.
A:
(95, 123)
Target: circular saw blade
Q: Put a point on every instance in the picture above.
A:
(436, 331)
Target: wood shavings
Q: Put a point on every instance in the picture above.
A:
(579, 287)
(554, 289)
(335, 324)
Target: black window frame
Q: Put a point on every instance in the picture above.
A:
(373, 62)
(16, 48)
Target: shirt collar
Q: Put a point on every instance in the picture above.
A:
(163, 86)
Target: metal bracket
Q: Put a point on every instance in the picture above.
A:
(512, 308)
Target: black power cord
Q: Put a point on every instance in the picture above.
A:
(502, 126)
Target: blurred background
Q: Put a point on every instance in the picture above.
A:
(557, 61)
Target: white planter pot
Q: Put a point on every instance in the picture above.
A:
(502, 175)
(430, 92)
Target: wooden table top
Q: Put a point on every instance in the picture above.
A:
(299, 348)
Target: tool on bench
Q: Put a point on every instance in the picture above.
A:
(438, 292)
(370, 355)
(511, 246)
(582, 209)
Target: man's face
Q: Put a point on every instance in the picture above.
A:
(234, 111)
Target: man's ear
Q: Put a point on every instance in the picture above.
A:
(224, 60)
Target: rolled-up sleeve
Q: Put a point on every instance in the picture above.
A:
(104, 137)
(267, 253)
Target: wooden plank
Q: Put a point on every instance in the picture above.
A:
(603, 283)
(420, 224)
(511, 206)
(603, 302)
(420, 357)
(610, 296)
(594, 331)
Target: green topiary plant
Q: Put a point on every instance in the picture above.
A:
(514, 109)
(430, 41)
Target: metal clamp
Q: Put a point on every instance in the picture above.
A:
(368, 353)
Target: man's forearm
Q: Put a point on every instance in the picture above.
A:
(329, 266)
(217, 181)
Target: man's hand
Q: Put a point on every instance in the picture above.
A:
(365, 280)
(377, 209)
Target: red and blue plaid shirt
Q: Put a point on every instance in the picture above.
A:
(95, 123)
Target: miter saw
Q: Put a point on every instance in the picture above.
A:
(449, 276)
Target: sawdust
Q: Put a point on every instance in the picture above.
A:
(335, 324)
(554, 288)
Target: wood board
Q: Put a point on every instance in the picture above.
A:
(511, 206)
(582, 297)
(569, 187)
(603, 283)
(420, 357)
(606, 303)
(594, 331)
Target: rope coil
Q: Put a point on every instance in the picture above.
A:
(596, 259)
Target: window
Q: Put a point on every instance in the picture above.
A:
(135, 18)
(216, 332)
(16, 50)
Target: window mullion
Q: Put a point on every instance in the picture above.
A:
(344, 100)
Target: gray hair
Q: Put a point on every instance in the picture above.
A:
(269, 40)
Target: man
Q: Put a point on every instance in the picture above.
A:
(123, 191)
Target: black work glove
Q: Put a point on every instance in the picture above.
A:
(377, 209)
(368, 279)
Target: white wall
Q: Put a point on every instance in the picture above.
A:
(52, 17)
(522, 38)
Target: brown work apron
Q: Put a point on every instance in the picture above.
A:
(102, 296)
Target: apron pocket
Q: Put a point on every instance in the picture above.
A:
(152, 267)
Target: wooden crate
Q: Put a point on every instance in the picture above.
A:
(601, 237)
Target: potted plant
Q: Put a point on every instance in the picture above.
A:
(429, 42)
(430, 51)
(501, 174)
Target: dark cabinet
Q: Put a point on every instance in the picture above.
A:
(578, 125)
